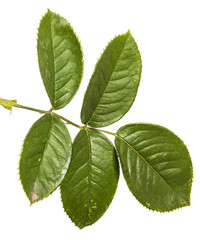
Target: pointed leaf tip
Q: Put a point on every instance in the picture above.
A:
(60, 59)
(45, 157)
(113, 86)
(91, 180)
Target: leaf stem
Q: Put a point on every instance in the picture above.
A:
(44, 112)
(68, 121)
(31, 109)
(9, 104)
(100, 130)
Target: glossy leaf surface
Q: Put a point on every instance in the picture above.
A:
(92, 177)
(114, 83)
(60, 59)
(45, 157)
(156, 166)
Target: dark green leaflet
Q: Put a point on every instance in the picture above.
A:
(92, 177)
(114, 83)
(156, 166)
(60, 59)
(45, 157)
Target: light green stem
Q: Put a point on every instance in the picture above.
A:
(8, 104)
(31, 109)
(68, 121)
(100, 130)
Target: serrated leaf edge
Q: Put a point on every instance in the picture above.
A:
(40, 199)
(82, 58)
(98, 60)
(146, 204)
(69, 215)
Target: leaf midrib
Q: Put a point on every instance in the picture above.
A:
(107, 82)
(89, 175)
(121, 138)
(52, 45)
(42, 157)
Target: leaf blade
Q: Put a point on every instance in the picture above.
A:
(91, 181)
(45, 157)
(114, 83)
(156, 165)
(60, 59)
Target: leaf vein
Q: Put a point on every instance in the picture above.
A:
(154, 170)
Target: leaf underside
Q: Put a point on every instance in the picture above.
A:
(156, 166)
(45, 157)
(91, 180)
(60, 59)
(114, 83)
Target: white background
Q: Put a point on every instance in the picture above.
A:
(168, 37)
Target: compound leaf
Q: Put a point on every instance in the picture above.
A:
(114, 83)
(92, 177)
(156, 165)
(45, 157)
(60, 59)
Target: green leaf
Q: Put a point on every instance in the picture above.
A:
(60, 59)
(114, 83)
(156, 165)
(91, 180)
(45, 157)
